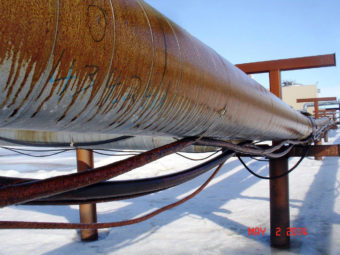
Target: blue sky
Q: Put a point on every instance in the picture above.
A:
(257, 30)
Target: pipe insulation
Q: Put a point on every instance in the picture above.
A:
(119, 67)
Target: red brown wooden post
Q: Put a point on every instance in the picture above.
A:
(279, 189)
(275, 83)
(279, 193)
(87, 212)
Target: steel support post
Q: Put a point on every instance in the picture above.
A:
(279, 204)
(87, 212)
(275, 83)
(326, 137)
(279, 190)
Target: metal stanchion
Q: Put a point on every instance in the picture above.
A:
(88, 212)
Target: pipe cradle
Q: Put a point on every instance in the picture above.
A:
(120, 67)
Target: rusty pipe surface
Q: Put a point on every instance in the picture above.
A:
(25, 192)
(120, 67)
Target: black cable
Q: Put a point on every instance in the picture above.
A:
(36, 156)
(274, 177)
(31, 150)
(50, 150)
(58, 151)
(261, 160)
(198, 159)
(251, 151)
(57, 144)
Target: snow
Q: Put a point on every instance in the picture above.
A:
(214, 222)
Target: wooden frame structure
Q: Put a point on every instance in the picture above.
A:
(317, 112)
(279, 191)
(316, 103)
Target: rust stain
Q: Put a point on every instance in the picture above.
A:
(120, 67)
(26, 40)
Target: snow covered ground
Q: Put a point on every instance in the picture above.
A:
(214, 222)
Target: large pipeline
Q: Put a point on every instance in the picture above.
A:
(119, 67)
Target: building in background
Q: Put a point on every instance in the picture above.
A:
(292, 91)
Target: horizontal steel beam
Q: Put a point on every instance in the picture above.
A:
(288, 64)
(319, 99)
(316, 150)
(301, 150)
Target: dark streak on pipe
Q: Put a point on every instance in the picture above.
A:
(120, 67)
